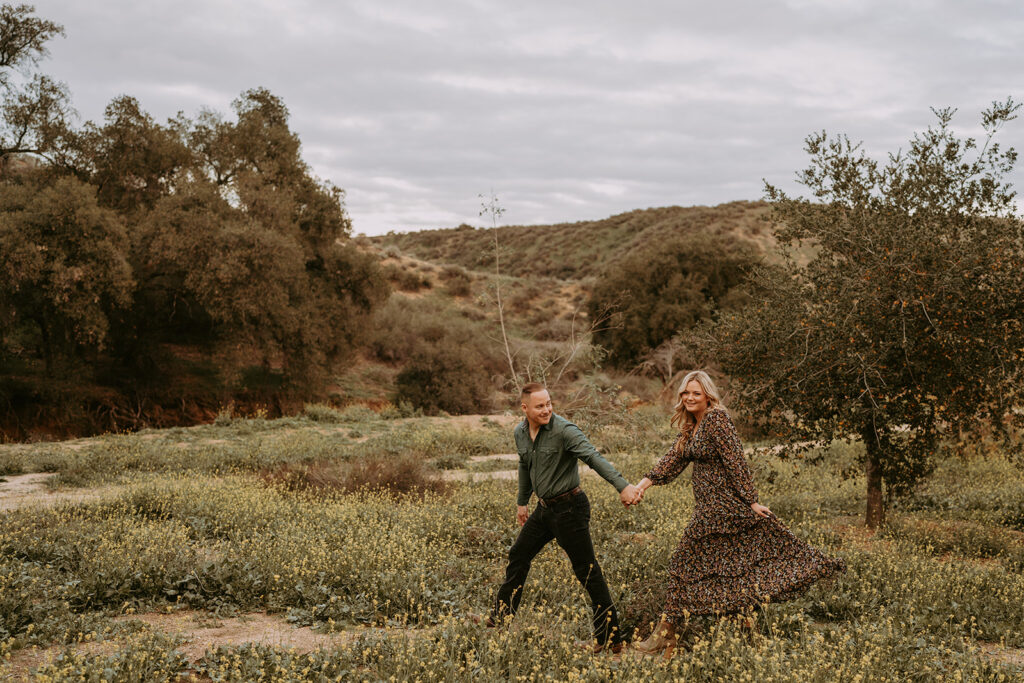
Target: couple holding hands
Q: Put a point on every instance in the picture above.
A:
(734, 555)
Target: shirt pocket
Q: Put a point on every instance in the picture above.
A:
(548, 452)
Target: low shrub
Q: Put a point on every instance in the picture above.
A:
(319, 412)
(357, 412)
(458, 282)
(389, 474)
(149, 658)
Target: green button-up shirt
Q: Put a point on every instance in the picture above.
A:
(547, 464)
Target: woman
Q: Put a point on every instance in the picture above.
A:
(734, 554)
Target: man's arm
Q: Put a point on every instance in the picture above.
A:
(525, 491)
(577, 444)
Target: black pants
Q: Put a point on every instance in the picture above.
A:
(568, 522)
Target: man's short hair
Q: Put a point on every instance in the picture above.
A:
(531, 388)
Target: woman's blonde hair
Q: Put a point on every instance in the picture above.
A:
(683, 420)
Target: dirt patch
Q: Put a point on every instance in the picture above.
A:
(201, 631)
(496, 456)
(24, 484)
(472, 421)
(463, 475)
(23, 490)
(1003, 655)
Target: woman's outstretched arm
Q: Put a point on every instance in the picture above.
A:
(668, 468)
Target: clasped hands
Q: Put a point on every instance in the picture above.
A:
(632, 495)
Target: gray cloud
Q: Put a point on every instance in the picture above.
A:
(567, 111)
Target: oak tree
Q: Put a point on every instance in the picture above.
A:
(907, 325)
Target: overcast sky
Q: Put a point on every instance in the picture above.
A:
(568, 111)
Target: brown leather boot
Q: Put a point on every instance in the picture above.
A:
(662, 640)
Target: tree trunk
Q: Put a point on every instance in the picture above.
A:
(44, 333)
(875, 514)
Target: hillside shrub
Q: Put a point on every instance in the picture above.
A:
(406, 280)
(458, 282)
(403, 328)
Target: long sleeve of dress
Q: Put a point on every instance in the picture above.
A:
(726, 441)
(670, 466)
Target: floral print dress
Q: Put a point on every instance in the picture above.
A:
(730, 558)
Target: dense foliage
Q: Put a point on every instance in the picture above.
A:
(908, 325)
(655, 292)
(445, 378)
(128, 242)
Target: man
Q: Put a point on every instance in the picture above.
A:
(549, 447)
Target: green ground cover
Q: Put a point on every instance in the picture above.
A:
(193, 521)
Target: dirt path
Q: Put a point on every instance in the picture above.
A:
(1003, 655)
(497, 456)
(22, 490)
(201, 631)
(512, 473)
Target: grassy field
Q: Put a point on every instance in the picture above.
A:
(248, 518)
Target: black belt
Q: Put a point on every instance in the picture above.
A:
(544, 502)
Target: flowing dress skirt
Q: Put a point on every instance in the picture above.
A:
(730, 558)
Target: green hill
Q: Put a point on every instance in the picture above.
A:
(580, 250)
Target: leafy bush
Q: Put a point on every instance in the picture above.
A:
(654, 293)
(403, 328)
(357, 413)
(445, 379)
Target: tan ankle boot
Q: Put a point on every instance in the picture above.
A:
(662, 639)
